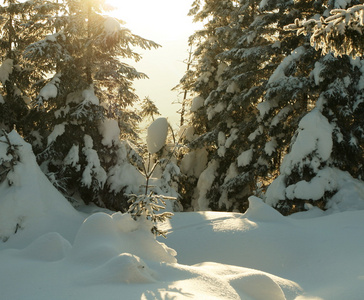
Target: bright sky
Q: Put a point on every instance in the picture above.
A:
(166, 23)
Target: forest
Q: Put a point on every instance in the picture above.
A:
(273, 103)
(259, 192)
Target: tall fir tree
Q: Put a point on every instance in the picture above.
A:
(82, 110)
(257, 44)
(336, 90)
(22, 23)
(149, 109)
(252, 109)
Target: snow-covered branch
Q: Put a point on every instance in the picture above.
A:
(340, 33)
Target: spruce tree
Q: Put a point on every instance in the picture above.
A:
(149, 109)
(338, 30)
(335, 93)
(255, 45)
(83, 110)
(203, 77)
(22, 23)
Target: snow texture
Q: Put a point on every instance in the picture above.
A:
(58, 130)
(89, 96)
(72, 158)
(314, 135)
(52, 251)
(93, 168)
(245, 158)
(197, 103)
(5, 70)
(50, 90)
(204, 183)
(316, 72)
(194, 162)
(110, 131)
(30, 197)
(157, 135)
(311, 148)
(279, 73)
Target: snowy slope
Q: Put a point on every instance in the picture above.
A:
(60, 253)
(323, 254)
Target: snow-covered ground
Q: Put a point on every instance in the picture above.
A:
(49, 250)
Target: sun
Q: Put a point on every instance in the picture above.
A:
(160, 20)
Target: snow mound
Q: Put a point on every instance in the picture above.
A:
(26, 195)
(260, 211)
(103, 237)
(124, 268)
(250, 283)
(157, 134)
(258, 285)
(48, 247)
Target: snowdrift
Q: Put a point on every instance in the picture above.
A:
(60, 253)
(29, 199)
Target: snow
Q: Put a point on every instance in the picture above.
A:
(270, 146)
(314, 135)
(233, 88)
(110, 131)
(212, 111)
(58, 130)
(279, 73)
(197, 103)
(72, 158)
(245, 158)
(89, 96)
(50, 90)
(124, 175)
(156, 135)
(233, 136)
(194, 162)
(204, 183)
(61, 253)
(316, 73)
(93, 168)
(5, 70)
(263, 4)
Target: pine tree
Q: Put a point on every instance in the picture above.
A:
(338, 30)
(148, 109)
(83, 109)
(22, 23)
(335, 93)
(203, 77)
(253, 108)
(255, 45)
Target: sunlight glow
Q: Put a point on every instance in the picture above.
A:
(159, 20)
(166, 23)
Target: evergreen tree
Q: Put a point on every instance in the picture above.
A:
(204, 76)
(335, 90)
(255, 45)
(338, 30)
(252, 109)
(148, 109)
(21, 23)
(82, 109)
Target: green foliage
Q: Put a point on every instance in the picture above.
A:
(147, 207)
(148, 109)
(253, 82)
